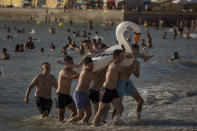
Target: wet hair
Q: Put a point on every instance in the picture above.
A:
(45, 63)
(87, 60)
(176, 53)
(117, 52)
(4, 49)
(68, 58)
(134, 46)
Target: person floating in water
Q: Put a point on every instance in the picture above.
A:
(175, 57)
(5, 55)
(44, 83)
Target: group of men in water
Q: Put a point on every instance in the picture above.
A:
(102, 87)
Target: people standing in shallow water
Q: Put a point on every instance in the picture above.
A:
(44, 83)
(5, 55)
(64, 100)
(29, 44)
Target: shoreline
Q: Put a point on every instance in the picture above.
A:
(96, 16)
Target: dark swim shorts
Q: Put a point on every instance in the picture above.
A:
(108, 95)
(93, 95)
(63, 100)
(43, 104)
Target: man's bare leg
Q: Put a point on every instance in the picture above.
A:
(95, 106)
(139, 105)
(100, 112)
(73, 109)
(87, 114)
(60, 113)
(117, 103)
(79, 116)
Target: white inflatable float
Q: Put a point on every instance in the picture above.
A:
(102, 59)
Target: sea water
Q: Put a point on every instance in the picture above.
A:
(168, 88)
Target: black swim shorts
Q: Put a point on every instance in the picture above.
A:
(108, 95)
(63, 100)
(93, 95)
(43, 104)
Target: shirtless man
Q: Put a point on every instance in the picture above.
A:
(63, 91)
(125, 85)
(80, 95)
(44, 82)
(110, 94)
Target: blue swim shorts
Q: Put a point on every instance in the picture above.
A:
(125, 88)
(81, 99)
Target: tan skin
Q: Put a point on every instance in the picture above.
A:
(44, 83)
(85, 78)
(96, 85)
(110, 82)
(66, 76)
(126, 76)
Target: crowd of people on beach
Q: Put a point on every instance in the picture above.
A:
(95, 90)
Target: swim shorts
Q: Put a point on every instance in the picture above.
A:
(63, 100)
(81, 99)
(125, 88)
(93, 95)
(43, 104)
(108, 95)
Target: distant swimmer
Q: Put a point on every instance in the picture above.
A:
(51, 30)
(41, 50)
(52, 47)
(29, 44)
(5, 55)
(64, 99)
(175, 57)
(44, 83)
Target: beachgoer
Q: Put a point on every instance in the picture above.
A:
(110, 94)
(5, 55)
(125, 85)
(44, 83)
(175, 57)
(64, 99)
(29, 44)
(80, 95)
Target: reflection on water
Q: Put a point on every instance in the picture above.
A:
(168, 88)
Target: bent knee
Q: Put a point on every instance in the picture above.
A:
(141, 101)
